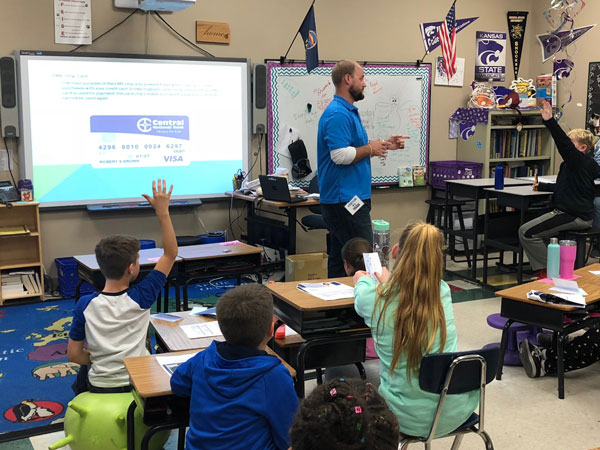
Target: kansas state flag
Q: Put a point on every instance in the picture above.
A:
(308, 31)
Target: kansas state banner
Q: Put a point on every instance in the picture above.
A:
(517, 20)
(491, 56)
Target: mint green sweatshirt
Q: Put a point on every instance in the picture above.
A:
(413, 407)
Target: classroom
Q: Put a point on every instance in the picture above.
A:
(520, 412)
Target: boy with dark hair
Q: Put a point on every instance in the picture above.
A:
(241, 398)
(114, 322)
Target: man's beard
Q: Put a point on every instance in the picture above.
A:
(356, 94)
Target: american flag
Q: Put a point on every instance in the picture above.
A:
(447, 34)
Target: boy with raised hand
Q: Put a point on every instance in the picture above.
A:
(114, 322)
(241, 398)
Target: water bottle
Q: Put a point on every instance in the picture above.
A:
(381, 240)
(499, 176)
(568, 252)
(553, 263)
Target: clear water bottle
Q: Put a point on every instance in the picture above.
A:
(499, 176)
(553, 263)
(381, 240)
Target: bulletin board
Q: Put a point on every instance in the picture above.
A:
(397, 101)
(593, 97)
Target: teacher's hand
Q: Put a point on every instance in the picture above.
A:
(378, 148)
(396, 142)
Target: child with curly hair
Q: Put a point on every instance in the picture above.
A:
(345, 414)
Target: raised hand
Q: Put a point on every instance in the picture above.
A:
(546, 110)
(160, 197)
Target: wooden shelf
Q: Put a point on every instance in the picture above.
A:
(21, 251)
(539, 142)
(524, 158)
(24, 295)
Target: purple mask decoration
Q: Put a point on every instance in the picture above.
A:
(563, 68)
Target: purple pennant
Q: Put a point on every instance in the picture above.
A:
(563, 68)
(467, 129)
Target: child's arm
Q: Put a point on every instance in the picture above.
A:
(281, 405)
(77, 354)
(160, 202)
(181, 380)
(565, 147)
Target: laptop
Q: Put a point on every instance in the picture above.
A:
(276, 189)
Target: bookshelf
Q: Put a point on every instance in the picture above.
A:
(522, 153)
(21, 271)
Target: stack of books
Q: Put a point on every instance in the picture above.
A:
(18, 284)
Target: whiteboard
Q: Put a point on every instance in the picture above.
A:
(397, 101)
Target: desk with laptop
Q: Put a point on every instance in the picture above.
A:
(263, 228)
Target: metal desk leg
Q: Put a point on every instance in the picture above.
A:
(130, 426)
(181, 439)
(291, 212)
(503, 345)
(78, 289)
(520, 266)
(475, 247)
(560, 338)
(485, 233)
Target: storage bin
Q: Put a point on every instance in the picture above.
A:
(440, 171)
(68, 279)
(147, 243)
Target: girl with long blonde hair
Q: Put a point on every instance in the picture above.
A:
(410, 315)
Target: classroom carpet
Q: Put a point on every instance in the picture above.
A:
(35, 375)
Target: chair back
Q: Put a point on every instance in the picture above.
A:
(457, 373)
(313, 188)
(466, 374)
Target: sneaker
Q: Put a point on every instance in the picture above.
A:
(544, 340)
(531, 358)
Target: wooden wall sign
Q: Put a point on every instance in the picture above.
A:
(213, 32)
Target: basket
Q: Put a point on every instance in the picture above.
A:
(68, 279)
(440, 171)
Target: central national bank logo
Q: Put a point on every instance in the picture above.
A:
(177, 127)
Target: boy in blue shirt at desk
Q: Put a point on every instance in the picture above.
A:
(115, 322)
(241, 397)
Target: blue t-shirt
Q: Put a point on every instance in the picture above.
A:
(340, 126)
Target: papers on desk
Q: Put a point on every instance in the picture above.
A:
(203, 311)
(566, 286)
(595, 272)
(170, 363)
(202, 330)
(576, 300)
(167, 317)
(327, 290)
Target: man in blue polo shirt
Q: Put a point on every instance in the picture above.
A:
(344, 164)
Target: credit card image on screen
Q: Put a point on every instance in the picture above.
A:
(99, 128)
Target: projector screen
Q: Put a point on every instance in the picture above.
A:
(98, 128)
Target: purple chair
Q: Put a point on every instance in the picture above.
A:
(517, 332)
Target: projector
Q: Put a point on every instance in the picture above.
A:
(155, 5)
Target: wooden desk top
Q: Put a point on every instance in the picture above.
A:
(588, 282)
(250, 198)
(216, 250)
(289, 293)
(489, 182)
(174, 337)
(151, 380)
(148, 256)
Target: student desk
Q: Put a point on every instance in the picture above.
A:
(173, 339)
(152, 392)
(518, 197)
(517, 308)
(473, 189)
(274, 233)
(204, 261)
(88, 270)
(327, 324)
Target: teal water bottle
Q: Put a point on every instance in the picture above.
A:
(553, 263)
